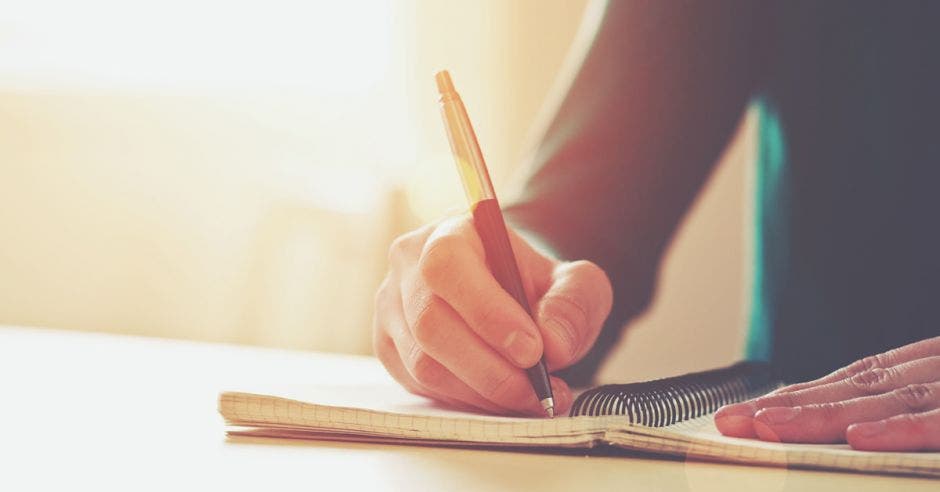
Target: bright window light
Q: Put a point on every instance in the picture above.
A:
(323, 46)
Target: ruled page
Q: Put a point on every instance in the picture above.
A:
(426, 423)
(390, 415)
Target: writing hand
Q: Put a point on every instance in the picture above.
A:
(444, 328)
(887, 402)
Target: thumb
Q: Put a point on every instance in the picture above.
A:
(572, 311)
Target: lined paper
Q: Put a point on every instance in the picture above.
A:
(251, 410)
(262, 415)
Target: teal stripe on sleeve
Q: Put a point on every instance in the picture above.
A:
(770, 228)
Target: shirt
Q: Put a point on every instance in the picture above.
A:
(846, 240)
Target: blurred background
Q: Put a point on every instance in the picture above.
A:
(234, 171)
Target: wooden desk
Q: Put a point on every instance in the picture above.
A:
(112, 412)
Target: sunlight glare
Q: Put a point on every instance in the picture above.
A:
(333, 47)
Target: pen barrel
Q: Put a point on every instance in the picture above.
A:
(501, 260)
(487, 217)
(463, 144)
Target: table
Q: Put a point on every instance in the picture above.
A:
(85, 410)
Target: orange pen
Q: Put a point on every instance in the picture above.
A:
(487, 217)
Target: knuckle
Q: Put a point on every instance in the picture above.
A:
(407, 245)
(398, 247)
(915, 396)
(488, 313)
(427, 322)
(567, 309)
(830, 411)
(777, 400)
(597, 277)
(591, 271)
(863, 365)
(426, 370)
(439, 259)
(890, 358)
(571, 315)
(871, 381)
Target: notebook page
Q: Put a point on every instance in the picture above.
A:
(389, 415)
(699, 438)
(402, 417)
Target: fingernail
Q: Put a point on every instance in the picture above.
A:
(868, 429)
(746, 409)
(737, 420)
(521, 347)
(778, 415)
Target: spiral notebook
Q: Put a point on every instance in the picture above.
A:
(671, 416)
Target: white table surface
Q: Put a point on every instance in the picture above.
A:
(86, 411)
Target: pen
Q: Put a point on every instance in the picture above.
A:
(487, 217)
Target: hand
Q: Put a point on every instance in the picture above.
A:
(445, 329)
(886, 402)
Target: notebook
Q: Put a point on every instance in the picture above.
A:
(671, 416)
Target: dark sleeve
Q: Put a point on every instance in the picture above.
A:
(653, 105)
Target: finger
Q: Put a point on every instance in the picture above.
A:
(467, 400)
(383, 347)
(910, 432)
(442, 334)
(385, 351)
(571, 313)
(453, 267)
(737, 420)
(443, 385)
(891, 358)
(562, 397)
(536, 268)
(827, 422)
(413, 368)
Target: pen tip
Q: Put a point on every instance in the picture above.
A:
(444, 84)
(548, 404)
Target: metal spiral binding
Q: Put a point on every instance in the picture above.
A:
(667, 401)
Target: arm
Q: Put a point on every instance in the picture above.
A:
(650, 110)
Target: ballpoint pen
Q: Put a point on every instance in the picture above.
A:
(487, 217)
